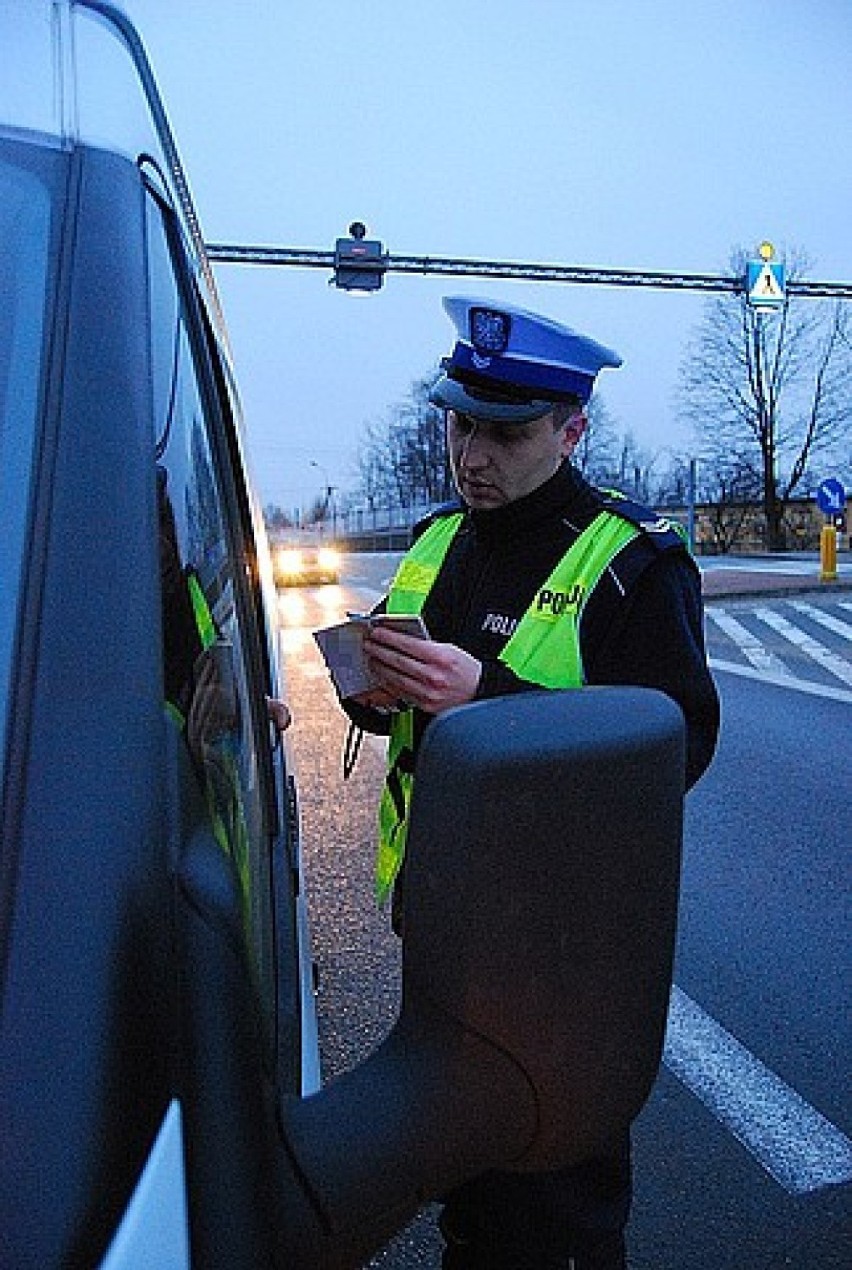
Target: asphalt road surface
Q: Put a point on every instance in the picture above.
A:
(743, 1152)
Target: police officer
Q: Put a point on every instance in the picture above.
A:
(533, 579)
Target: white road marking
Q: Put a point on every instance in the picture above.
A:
(833, 624)
(793, 1141)
(797, 567)
(780, 681)
(812, 648)
(748, 644)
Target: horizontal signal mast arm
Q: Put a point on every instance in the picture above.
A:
(239, 254)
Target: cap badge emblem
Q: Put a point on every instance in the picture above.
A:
(489, 331)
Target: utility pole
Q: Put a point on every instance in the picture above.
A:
(692, 490)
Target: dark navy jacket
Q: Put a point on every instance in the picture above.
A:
(642, 625)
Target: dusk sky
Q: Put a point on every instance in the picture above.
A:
(604, 133)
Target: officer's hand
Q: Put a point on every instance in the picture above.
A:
(421, 672)
(279, 714)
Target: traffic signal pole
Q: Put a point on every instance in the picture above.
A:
(237, 254)
(360, 264)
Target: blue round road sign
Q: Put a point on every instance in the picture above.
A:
(831, 497)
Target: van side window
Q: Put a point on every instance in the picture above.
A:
(213, 689)
(26, 285)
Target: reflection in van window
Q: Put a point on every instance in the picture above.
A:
(209, 678)
(25, 268)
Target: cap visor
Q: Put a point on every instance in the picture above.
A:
(451, 395)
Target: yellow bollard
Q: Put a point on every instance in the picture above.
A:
(828, 554)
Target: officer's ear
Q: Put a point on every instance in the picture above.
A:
(575, 426)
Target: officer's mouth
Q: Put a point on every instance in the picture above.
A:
(481, 493)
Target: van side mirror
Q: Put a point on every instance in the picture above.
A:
(540, 915)
(541, 902)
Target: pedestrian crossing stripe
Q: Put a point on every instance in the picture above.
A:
(838, 695)
(765, 283)
(766, 665)
(793, 1141)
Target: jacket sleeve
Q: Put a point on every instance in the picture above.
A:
(366, 718)
(655, 639)
(498, 680)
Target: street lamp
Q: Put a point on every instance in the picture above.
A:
(329, 491)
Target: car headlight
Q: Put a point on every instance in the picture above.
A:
(329, 558)
(290, 560)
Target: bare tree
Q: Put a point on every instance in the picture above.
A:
(669, 479)
(634, 471)
(596, 454)
(276, 519)
(768, 393)
(404, 459)
(728, 490)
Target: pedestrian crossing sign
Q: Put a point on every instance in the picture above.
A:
(765, 284)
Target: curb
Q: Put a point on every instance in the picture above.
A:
(723, 584)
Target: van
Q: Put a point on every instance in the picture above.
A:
(136, 587)
(160, 1094)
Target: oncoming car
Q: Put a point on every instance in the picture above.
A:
(306, 563)
(161, 1103)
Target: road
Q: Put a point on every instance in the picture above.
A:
(744, 1159)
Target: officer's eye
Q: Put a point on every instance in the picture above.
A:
(462, 423)
(508, 436)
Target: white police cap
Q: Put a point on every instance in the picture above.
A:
(510, 365)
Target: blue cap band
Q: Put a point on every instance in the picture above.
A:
(540, 379)
(523, 359)
(449, 394)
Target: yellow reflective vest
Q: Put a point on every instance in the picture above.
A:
(544, 649)
(219, 765)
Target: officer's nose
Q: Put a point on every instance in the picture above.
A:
(474, 452)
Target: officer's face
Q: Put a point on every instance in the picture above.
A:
(495, 463)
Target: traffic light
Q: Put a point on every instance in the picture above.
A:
(359, 262)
